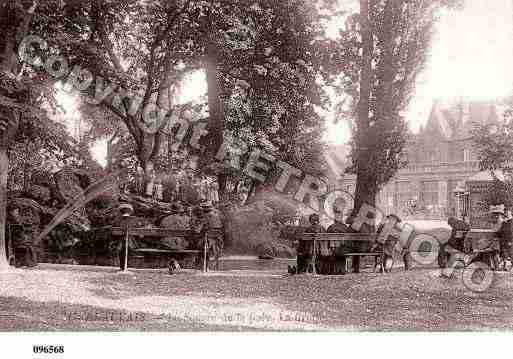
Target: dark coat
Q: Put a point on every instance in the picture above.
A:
(456, 240)
(345, 247)
(305, 247)
(505, 235)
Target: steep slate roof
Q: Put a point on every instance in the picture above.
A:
(486, 176)
(454, 121)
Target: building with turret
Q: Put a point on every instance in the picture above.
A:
(441, 157)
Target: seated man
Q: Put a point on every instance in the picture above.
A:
(338, 226)
(358, 246)
(305, 248)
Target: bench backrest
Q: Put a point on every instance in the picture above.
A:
(339, 237)
(151, 232)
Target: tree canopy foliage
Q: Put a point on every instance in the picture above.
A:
(494, 145)
(267, 65)
(265, 57)
(381, 52)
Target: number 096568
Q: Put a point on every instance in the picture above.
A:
(48, 349)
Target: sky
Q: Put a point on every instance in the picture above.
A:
(471, 57)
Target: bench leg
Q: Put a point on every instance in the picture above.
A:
(379, 264)
(407, 261)
(356, 264)
(310, 268)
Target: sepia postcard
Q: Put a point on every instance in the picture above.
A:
(254, 166)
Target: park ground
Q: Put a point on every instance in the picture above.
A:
(65, 297)
(250, 297)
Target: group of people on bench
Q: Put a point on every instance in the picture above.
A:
(206, 223)
(305, 250)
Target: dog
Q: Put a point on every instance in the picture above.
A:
(174, 266)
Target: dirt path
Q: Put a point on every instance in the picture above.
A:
(92, 298)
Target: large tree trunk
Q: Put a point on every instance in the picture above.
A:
(14, 25)
(365, 185)
(147, 153)
(8, 25)
(149, 177)
(222, 180)
(110, 154)
(4, 168)
(216, 125)
(365, 191)
(152, 143)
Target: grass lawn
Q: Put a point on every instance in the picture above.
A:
(60, 297)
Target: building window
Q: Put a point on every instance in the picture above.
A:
(404, 193)
(430, 193)
(467, 155)
(457, 152)
(386, 198)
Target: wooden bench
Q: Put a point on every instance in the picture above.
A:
(159, 233)
(329, 242)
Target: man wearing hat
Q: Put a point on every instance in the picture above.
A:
(504, 232)
(126, 210)
(339, 226)
(355, 245)
(305, 248)
(498, 215)
(389, 247)
(213, 225)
